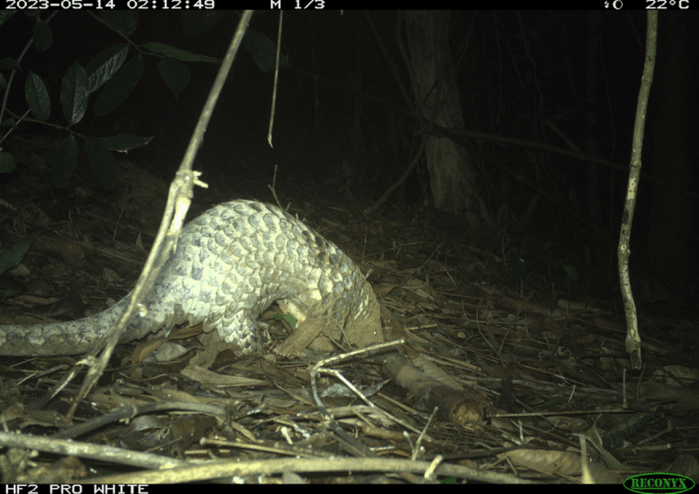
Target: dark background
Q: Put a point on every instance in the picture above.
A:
(342, 125)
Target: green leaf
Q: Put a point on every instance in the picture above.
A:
(13, 256)
(37, 97)
(291, 320)
(263, 51)
(102, 164)
(122, 21)
(64, 163)
(118, 88)
(5, 15)
(74, 94)
(42, 35)
(105, 65)
(9, 122)
(10, 64)
(184, 55)
(7, 163)
(175, 74)
(196, 22)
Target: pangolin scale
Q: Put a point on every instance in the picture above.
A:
(230, 264)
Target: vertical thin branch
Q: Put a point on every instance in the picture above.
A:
(633, 337)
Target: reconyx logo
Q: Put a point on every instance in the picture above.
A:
(659, 483)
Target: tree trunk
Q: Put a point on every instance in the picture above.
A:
(452, 175)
